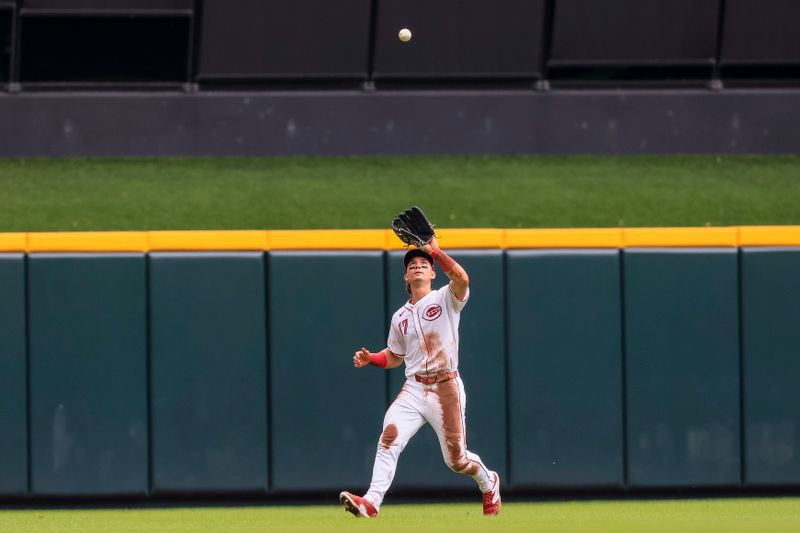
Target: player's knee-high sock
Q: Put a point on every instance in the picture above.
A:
(471, 465)
(482, 476)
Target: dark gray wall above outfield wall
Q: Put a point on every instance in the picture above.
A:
(400, 122)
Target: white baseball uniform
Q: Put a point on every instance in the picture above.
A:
(425, 334)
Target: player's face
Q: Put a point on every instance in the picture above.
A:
(419, 269)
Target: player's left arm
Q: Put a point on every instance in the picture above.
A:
(459, 280)
(383, 359)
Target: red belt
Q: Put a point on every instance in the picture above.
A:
(438, 378)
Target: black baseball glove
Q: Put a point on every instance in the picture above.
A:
(413, 227)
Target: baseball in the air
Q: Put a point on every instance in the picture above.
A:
(404, 35)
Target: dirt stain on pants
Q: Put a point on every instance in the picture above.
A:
(453, 428)
(388, 436)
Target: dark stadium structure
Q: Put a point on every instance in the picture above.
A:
(272, 77)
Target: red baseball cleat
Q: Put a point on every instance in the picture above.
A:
(357, 505)
(491, 498)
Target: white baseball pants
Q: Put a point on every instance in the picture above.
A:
(440, 404)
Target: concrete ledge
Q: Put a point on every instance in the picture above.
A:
(400, 123)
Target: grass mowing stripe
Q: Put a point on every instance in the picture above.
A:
(363, 192)
(776, 515)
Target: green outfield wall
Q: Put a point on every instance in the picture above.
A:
(616, 369)
(87, 381)
(13, 377)
(208, 371)
(565, 368)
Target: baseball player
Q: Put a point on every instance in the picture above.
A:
(424, 335)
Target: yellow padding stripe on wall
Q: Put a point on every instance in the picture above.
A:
(208, 240)
(13, 242)
(384, 239)
(680, 237)
(769, 236)
(564, 238)
(465, 238)
(326, 239)
(87, 241)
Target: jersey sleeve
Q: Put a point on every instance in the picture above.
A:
(454, 302)
(395, 342)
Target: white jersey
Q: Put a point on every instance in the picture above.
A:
(425, 333)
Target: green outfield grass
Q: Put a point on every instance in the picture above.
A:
(682, 516)
(310, 192)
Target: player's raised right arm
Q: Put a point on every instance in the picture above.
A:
(459, 280)
(383, 359)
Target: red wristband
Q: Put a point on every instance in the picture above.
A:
(378, 359)
(443, 260)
